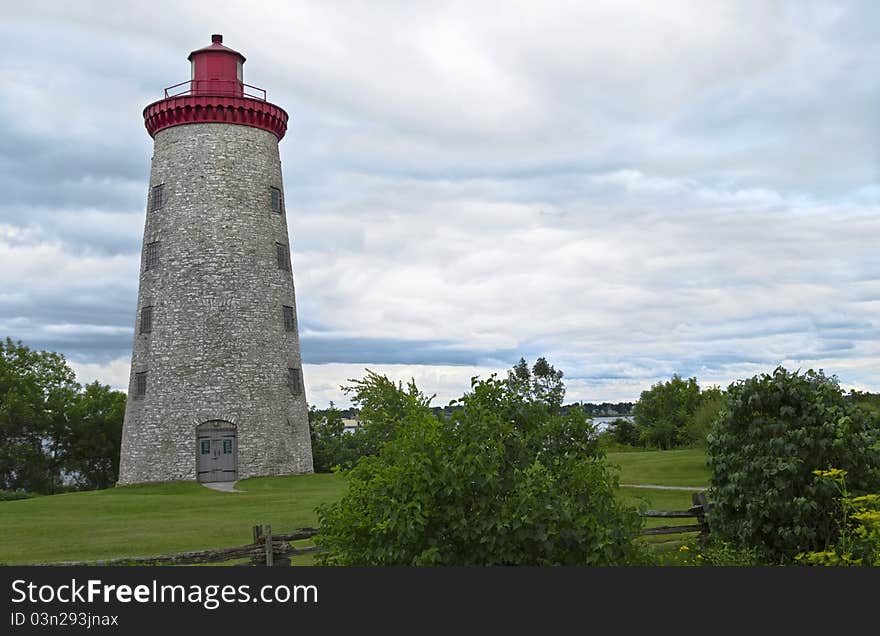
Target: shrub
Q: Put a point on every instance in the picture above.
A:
(719, 553)
(774, 432)
(15, 495)
(508, 480)
(381, 404)
(858, 523)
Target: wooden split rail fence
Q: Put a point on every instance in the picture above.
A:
(699, 511)
(277, 549)
(267, 549)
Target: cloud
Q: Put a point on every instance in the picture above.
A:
(113, 373)
(633, 191)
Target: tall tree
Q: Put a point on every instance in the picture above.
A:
(542, 383)
(54, 435)
(94, 436)
(37, 392)
(663, 412)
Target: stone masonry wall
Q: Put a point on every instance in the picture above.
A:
(218, 348)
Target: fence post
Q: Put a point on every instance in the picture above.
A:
(699, 499)
(269, 554)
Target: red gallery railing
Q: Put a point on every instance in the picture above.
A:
(232, 88)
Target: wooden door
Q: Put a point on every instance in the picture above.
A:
(216, 455)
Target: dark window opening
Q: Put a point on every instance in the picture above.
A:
(140, 384)
(158, 197)
(289, 319)
(294, 381)
(227, 446)
(282, 253)
(277, 204)
(152, 255)
(206, 446)
(146, 319)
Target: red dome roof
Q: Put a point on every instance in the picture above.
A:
(216, 45)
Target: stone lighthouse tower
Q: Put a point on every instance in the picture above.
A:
(216, 389)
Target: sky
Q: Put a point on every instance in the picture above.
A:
(629, 189)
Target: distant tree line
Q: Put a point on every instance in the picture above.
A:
(55, 434)
(677, 413)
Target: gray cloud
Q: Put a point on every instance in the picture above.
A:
(631, 190)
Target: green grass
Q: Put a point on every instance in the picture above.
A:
(152, 519)
(667, 468)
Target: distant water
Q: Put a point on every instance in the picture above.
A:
(603, 422)
(600, 422)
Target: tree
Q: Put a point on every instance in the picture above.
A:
(37, 393)
(332, 446)
(700, 423)
(624, 431)
(776, 435)
(53, 434)
(663, 412)
(506, 480)
(542, 383)
(94, 437)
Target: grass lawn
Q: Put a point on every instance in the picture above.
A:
(667, 468)
(156, 519)
(173, 517)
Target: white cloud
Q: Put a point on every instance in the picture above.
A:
(113, 373)
(632, 190)
(323, 381)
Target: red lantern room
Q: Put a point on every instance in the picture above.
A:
(215, 93)
(216, 69)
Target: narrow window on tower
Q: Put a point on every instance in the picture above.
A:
(140, 384)
(152, 255)
(146, 319)
(158, 196)
(294, 381)
(289, 319)
(282, 253)
(277, 204)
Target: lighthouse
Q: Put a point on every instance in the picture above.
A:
(216, 387)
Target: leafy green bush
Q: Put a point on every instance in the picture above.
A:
(858, 523)
(15, 495)
(380, 402)
(774, 432)
(509, 480)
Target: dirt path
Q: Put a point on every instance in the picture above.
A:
(222, 486)
(656, 487)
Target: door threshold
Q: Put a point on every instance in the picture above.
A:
(221, 486)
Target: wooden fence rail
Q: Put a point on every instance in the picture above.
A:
(267, 549)
(699, 510)
(277, 549)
